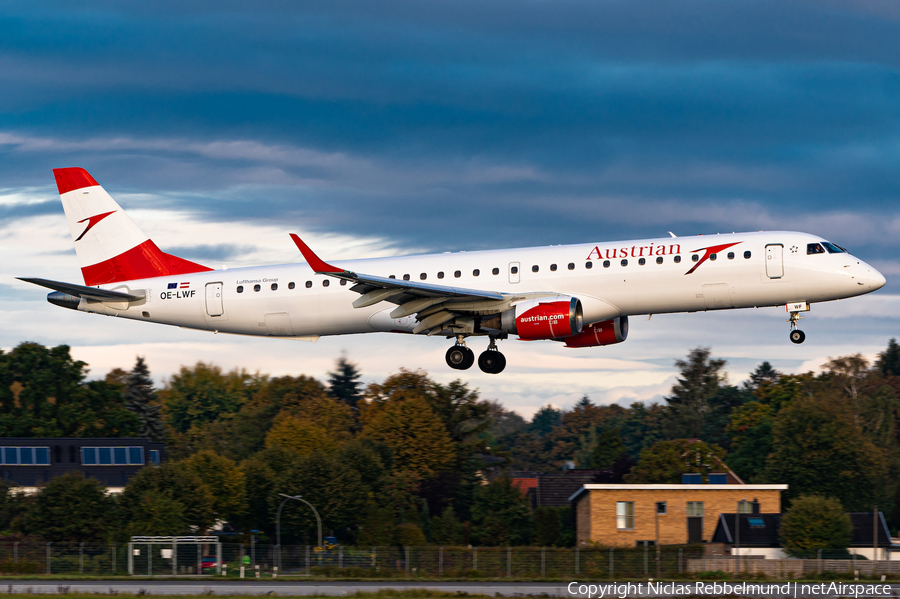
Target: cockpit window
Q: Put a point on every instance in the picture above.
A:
(833, 249)
(814, 248)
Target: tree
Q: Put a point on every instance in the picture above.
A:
(888, 362)
(224, 481)
(763, 374)
(415, 435)
(818, 448)
(545, 420)
(377, 529)
(140, 398)
(446, 529)
(43, 394)
(689, 404)
(751, 439)
(814, 522)
(547, 527)
(666, 461)
(72, 509)
(158, 514)
(343, 383)
(174, 482)
(300, 436)
(501, 514)
(607, 448)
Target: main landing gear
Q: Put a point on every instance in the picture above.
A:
(461, 357)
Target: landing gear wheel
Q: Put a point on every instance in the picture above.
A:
(460, 357)
(798, 336)
(491, 361)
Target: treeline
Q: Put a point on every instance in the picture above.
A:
(410, 461)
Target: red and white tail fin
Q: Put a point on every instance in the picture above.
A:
(110, 246)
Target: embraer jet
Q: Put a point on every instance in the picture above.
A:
(580, 295)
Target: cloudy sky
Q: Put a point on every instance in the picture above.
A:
(398, 127)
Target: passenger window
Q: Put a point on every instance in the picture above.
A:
(392, 277)
(659, 259)
(695, 257)
(291, 285)
(606, 264)
(814, 248)
(256, 288)
(552, 268)
(514, 270)
(535, 268)
(589, 265)
(495, 271)
(441, 274)
(476, 272)
(571, 266)
(642, 262)
(676, 259)
(343, 283)
(423, 276)
(713, 256)
(746, 254)
(240, 289)
(308, 284)
(457, 274)
(731, 255)
(274, 286)
(624, 262)
(405, 277)
(326, 283)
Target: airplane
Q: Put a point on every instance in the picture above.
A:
(581, 294)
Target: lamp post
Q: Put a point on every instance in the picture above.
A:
(278, 522)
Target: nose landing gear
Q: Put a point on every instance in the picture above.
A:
(491, 361)
(459, 356)
(796, 335)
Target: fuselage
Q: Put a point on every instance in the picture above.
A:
(651, 276)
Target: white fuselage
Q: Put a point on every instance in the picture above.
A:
(260, 300)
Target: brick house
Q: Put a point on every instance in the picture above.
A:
(624, 515)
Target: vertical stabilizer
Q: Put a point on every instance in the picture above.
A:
(110, 246)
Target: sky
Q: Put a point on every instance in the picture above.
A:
(403, 127)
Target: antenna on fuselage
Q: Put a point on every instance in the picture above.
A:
(672, 234)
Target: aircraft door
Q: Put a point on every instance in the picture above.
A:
(514, 275)
(774, 261)
(214, 299)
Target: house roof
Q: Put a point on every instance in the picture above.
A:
(555, 490)
(767, 535)
(670, 487)
(862, 530)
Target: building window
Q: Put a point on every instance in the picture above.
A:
(112, 456)
(745, 507)
(625, 515)
(661, 508)
(25, 456)
(154, 457)
(756, 522)
(694, 508)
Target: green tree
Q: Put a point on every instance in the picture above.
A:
(408, 534)
(224, 481)
(666, 461)
(140, 398)
(607, 448)
(446, 529)
(202, 394)
(501, 515)
(377, 529)
(344, 384)
(174, 482)
(545, 420)
(72, 509)
(158, 514)
(888, 362)
(547, 527)
(819, 449)
(751, 443)
(814, 522)
(43, 394)
(689, 404)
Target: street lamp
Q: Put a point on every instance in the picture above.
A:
(278, 521)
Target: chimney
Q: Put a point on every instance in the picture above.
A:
(755, 505)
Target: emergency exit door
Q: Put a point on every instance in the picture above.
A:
(774, 261)
(214, 299)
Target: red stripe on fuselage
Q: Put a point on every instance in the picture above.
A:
(143, 261)
(70, 179)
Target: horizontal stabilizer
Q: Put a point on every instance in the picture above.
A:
(86, 292)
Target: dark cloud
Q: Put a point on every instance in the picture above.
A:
(210, 252)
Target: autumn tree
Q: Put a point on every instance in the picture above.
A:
(666, 461)
(224, 481)
(812, 523)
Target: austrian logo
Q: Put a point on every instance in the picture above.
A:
(646, 251)
(91, 222)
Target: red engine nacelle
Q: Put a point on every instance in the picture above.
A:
(545, 318)
(601, 333)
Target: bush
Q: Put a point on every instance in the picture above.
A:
(814, 523)
(21, 567)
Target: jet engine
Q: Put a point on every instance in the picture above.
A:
(551, 317)
(607, 332)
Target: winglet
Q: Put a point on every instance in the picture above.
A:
(317, 264)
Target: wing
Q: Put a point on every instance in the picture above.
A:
(92, 293)
(437, 307)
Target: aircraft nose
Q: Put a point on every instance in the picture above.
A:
(876, 279)
(869, 278)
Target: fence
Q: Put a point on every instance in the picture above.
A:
(257, 560)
